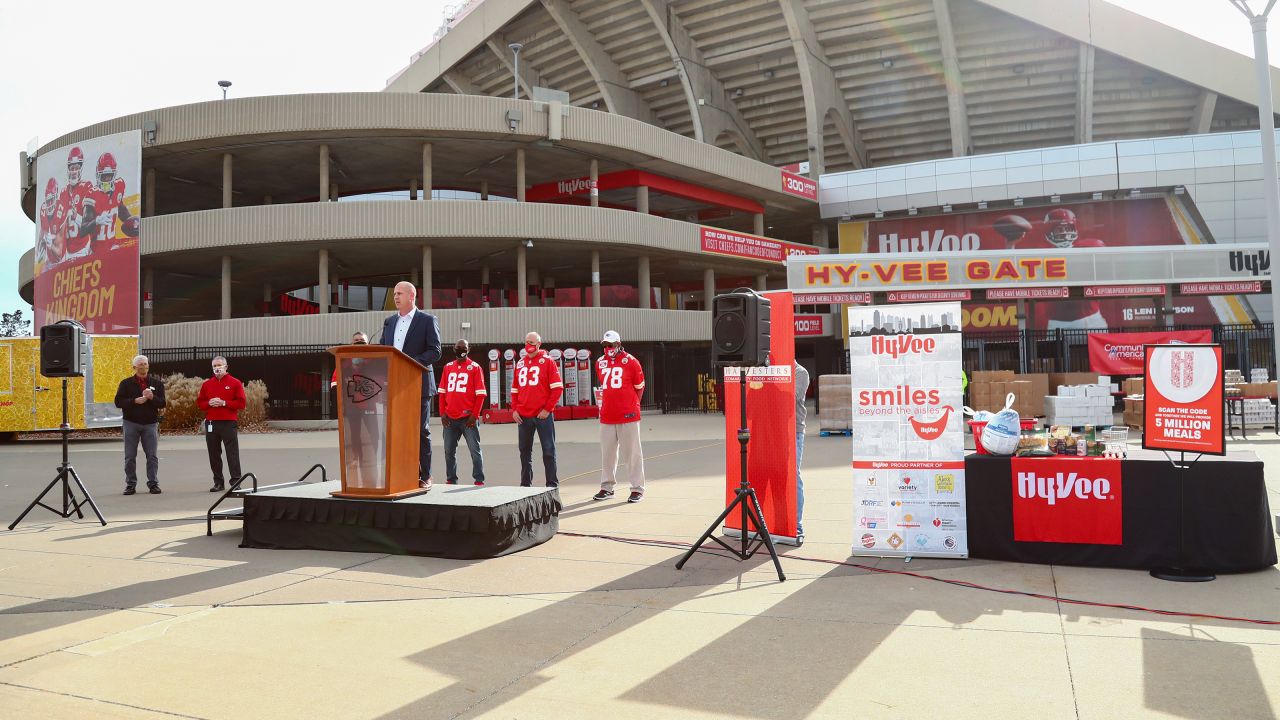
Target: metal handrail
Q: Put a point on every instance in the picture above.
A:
(234, 490)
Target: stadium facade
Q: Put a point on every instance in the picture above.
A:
(670, 149)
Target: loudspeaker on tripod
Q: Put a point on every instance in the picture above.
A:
(62, 350)
(740, 329)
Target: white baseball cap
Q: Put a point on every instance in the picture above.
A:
(611, 337)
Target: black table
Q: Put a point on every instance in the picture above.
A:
(1228, 524)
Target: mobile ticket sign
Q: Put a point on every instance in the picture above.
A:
(1183, 409)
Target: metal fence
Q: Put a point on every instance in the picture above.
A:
(1244, 347)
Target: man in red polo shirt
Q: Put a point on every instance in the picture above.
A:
(535, 391)
(222, 398)
(462, 396)
(621, 386)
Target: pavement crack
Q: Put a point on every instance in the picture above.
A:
(87, 698)
(1066, 650)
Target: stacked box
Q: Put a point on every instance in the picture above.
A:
(1259, 390)
(981, 376)
(1133, 386)
(1077, 405)
(1075, 378)
(1258, 375)
(1232, 377)
(980, 396)
(1259, 412)
(835, 402)
(1133, 412)
(1034, 398)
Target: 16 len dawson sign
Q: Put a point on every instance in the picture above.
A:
(908, 448)
(1183, 408)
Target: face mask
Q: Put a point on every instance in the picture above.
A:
(219, 371)
(530, 348)
(460, 352)
(360, 342)
(611, 350)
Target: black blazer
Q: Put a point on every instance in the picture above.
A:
(148, 412)
(422, 343)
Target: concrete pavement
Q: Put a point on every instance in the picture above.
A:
(147, 617)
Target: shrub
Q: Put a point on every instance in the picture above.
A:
(182, 413)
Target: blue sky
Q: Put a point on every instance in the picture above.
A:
(57, 74)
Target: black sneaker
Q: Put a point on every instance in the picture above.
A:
(799, 539)
(130, 490)
(218, 487)
(154, 489)
(635, 497)
(602, 495)
(479, 482)
(450, 482)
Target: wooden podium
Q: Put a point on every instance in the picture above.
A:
(379, 421)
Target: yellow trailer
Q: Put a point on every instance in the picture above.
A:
(30, 401)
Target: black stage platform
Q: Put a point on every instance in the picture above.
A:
(455, 521)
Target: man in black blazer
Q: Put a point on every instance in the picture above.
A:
(416, 334)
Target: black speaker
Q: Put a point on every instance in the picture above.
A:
(61, 350)
(740, 329)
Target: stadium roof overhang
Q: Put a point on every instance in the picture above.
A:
(845, 85)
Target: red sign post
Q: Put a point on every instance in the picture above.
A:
(1183, 408)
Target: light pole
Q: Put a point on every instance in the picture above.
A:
(1266, 126)
(224, 84)
(515, 71)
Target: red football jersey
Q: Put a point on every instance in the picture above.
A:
(71, 200)
(106, 205)
(462, 392)
(622, 384)
(51, 242)
(536, 385)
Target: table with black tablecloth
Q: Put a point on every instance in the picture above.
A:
(1228, 521)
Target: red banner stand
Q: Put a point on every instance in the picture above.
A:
(771, 419)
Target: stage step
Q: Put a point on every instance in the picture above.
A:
(239, 491)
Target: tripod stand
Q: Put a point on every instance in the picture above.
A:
(66, 473)
(745, 500)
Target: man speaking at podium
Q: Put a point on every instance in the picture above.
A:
(416, 334)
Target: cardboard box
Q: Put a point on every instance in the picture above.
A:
(992, 375)
(1077, 378)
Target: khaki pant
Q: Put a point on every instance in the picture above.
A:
(621, 443)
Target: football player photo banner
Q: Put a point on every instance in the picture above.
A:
(87, 226)
(908, 441)
(1183, 399)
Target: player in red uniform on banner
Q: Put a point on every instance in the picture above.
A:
(104, 203)
(51, 247)
(462, 397)
(1059, 231)
(621, 386)
(535, 392)
(77, 229)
